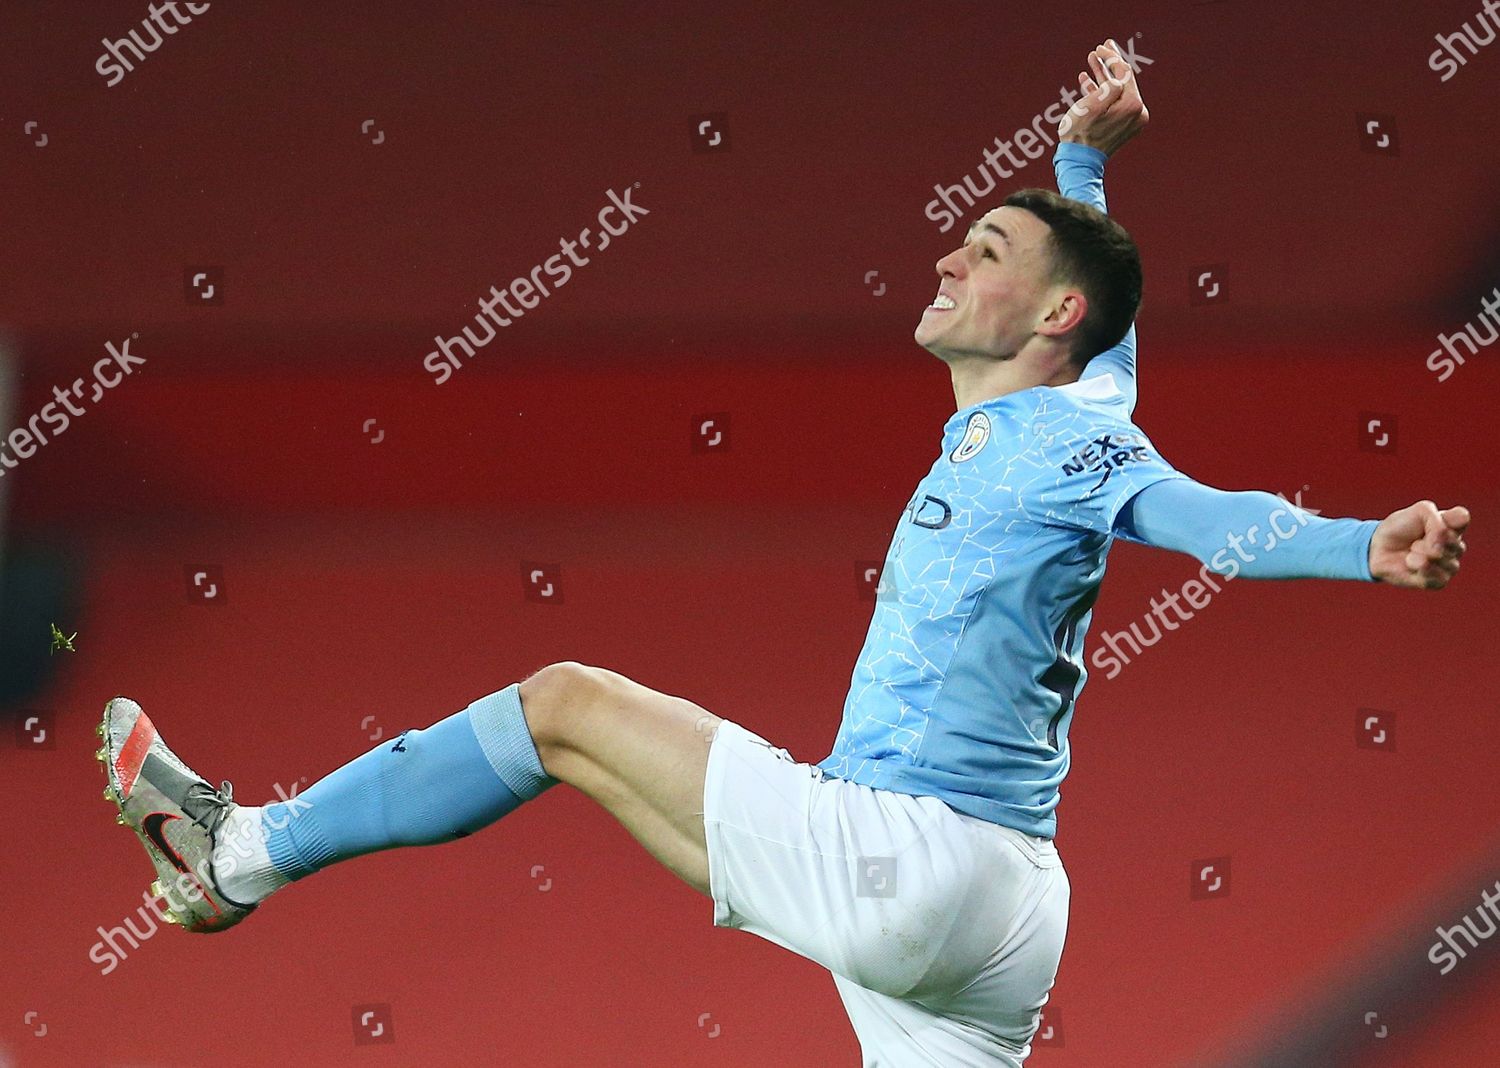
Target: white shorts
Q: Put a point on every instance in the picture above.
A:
(943, 932)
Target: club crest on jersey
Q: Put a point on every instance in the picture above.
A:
(976, 434)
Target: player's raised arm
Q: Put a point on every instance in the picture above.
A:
(1109, 113)
(1110, 110)
(1260, 535)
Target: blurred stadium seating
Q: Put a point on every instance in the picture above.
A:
(366, 532)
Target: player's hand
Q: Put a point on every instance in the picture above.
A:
(1419, 547)
(1110, 111)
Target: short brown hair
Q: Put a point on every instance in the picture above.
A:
(1095, 253)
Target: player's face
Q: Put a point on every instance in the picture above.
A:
(997, 282)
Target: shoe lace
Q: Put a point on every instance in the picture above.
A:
(211, 806)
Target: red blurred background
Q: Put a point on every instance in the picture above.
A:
(371, 573)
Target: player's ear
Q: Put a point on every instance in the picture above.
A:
(1063, 313)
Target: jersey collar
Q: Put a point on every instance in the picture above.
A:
(1098, 388)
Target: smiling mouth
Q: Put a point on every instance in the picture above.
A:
(942, 302)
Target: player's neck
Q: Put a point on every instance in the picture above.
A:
(975, 382)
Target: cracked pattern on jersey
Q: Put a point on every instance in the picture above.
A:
(1024, 494)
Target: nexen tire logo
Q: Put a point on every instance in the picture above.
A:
(1108, 454)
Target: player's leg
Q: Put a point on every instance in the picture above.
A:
(638, 752)
(1016, 924)
(943, 931)
(216, 860)
(641, 754)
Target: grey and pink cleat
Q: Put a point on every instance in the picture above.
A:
(175, 813)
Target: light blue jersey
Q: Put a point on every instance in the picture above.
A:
(965, 687)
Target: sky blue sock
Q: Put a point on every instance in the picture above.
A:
(425, 787)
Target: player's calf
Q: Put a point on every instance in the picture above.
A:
(639, 753)
(423, 788)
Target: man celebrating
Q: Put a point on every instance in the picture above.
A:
(916, 862)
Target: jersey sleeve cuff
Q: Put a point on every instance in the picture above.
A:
(1073, 152)
(1361, 562)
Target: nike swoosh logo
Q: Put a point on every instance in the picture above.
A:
(153, 825)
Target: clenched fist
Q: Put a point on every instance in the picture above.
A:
(1418, 547)
(1110, 111)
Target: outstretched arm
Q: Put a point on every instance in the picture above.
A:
(1109, 113)
(1260, 535)
(1080, 175)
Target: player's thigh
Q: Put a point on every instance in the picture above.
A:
(897, 1033)
(640, 753)
(1012, 925)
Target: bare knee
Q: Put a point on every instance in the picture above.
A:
(558, 702)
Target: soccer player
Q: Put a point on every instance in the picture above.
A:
(916, 862)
